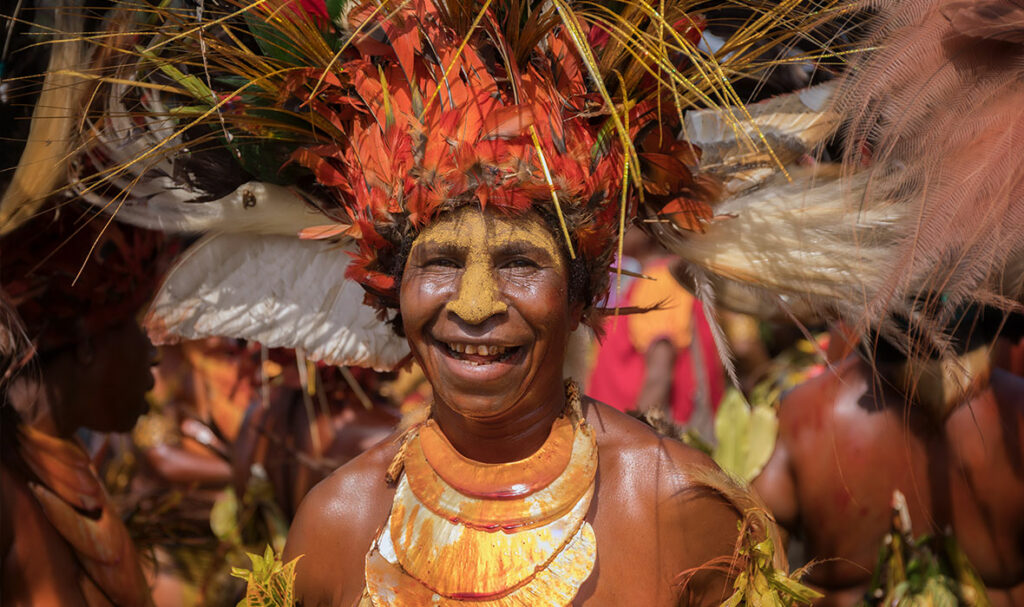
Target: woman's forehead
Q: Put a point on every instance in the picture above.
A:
(472, 227)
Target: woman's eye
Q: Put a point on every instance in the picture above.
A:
(521, 262)
(441, 262)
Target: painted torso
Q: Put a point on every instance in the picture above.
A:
(850, 443)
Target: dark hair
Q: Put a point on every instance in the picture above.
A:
(969, 327)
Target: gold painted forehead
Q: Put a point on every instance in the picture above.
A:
(472, 228)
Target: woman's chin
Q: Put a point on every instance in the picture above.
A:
(476, 407)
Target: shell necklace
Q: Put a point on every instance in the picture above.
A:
(463, 532)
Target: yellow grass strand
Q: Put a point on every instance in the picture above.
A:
(551, 188)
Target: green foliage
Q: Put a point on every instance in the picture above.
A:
(746, 429)
(745, 436)
(272, 42)
(762, 584)
(189, 82)
(929, 571)
(224, 518)
(270, 583)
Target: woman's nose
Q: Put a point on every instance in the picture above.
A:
(478, 296)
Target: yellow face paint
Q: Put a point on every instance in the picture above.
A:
(477, 241)
(485, 307)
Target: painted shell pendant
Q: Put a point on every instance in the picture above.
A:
(462, 532)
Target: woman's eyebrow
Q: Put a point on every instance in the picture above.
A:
(442, 248)
(522, 247)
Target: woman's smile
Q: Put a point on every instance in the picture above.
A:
(485, 308)
(478, 362)
(480, 353)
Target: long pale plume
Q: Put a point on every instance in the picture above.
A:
(937, 114)
(44, 160)
(924, 214)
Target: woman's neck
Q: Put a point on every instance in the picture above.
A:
(505, 438)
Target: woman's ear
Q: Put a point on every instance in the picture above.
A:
(575, 315)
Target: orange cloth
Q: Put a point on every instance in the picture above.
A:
(619, 371)
(673, 320)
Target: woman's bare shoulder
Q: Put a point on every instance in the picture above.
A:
(335, 525)
(676, 496)
(347, 495)
(650, 466)
(630, 442)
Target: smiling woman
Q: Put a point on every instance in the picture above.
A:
(465, 168)
(517, 491)
(484, 302)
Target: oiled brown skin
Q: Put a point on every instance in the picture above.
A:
(650, 522)
(38, 568)
(845, 445)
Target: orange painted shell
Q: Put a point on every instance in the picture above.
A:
(526, 512)
(63, 466)
(553, 586)
(455, 560)
(101, 543)
(441, 546)
(498, 481)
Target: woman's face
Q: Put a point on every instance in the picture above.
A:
(486, 310)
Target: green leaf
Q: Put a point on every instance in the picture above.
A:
(788, 585)
(746, 436)
(240, 573)
(189, 82)
(734, 600)
(761, 435)
(335, 9)
(271, 583)
(272, 43)
(224, 518)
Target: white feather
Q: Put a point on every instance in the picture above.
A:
(254, 207)
(276, 290)
(732, 148)
(577, 355)
(797, 242)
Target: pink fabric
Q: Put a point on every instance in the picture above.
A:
(618, 373)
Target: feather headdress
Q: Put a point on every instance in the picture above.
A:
(937, 115)
(924, 210)
(309, 139)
